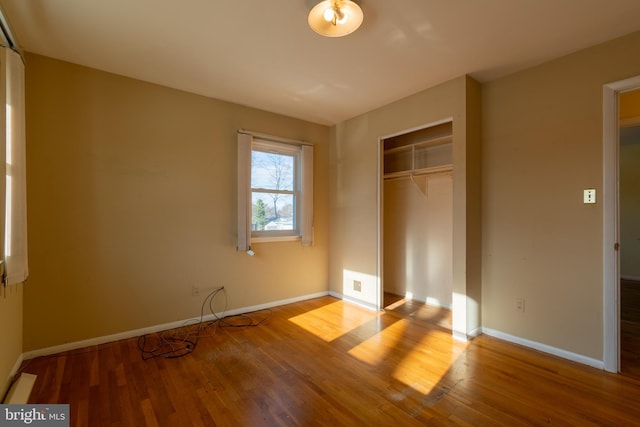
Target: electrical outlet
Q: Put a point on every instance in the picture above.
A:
(520, 305)
(195, 291)
(357, 285)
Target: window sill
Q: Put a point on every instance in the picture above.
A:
(268, 239)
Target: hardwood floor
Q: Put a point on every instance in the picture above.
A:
(630, 327)
(325, 362)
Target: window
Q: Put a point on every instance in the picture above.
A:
(275, 190)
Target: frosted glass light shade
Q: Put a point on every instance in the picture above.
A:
(335, 18)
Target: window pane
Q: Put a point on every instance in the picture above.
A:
(272, 211)
(272, 171)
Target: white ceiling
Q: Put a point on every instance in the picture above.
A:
(261, 53)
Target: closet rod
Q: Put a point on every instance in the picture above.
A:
(410, 175)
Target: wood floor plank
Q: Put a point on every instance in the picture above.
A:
(325, 362)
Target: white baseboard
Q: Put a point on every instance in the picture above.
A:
(158, 328)
(545, 348)
(459, 336)
(436, 303)
(354, 301)
(16, 366)
(474, 333)
(462, 337)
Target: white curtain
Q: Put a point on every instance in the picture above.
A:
(15, 247)
(307, 191)
(244, 194)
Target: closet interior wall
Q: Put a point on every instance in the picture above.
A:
(418, 215)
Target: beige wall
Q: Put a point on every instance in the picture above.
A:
(354, 182)
(132, 191)
(418, 217)
(542, 145)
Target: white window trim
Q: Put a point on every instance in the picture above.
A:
(305, 198)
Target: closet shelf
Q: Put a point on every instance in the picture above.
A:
(423, 144)
(418, 156)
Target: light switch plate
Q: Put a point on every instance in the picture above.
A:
(590, 195)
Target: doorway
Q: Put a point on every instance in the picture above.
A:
(629, 229)
(615, 197)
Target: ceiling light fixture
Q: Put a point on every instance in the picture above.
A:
(335, 18)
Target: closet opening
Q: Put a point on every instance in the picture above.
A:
(417, 221)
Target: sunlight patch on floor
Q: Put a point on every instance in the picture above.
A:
(332, 321)
(408, 345)
(369, 352)
(411, 372)
(396, 304)
(422, 368)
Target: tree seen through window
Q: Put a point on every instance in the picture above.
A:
(273, 187)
